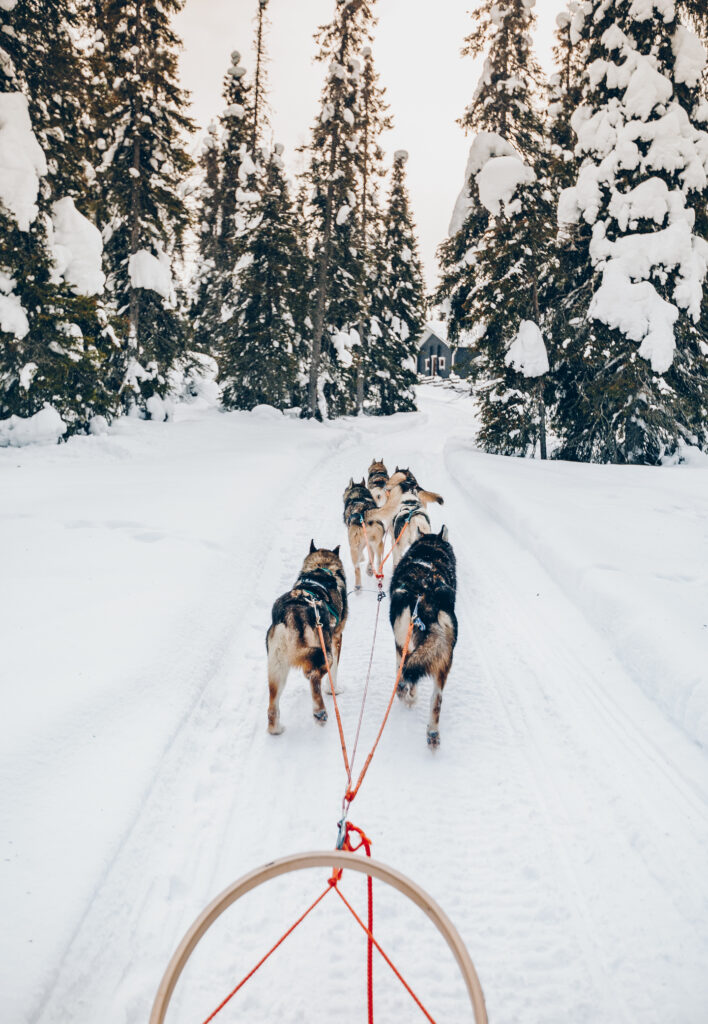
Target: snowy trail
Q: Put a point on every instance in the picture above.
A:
(563, 824)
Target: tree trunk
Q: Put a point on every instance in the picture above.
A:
(322, 271)
(326, 250)
(539, 386)
(541, 417)
(134, 300)
(259, 64)
(364, 251)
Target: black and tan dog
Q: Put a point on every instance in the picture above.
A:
(424, 585)
(292, 641)
(376, 481)
(360, 508)
(411, 510)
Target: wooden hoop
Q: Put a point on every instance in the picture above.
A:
(326, 859)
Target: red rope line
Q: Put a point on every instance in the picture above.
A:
(351, 793)
(347, 845)
(336, 705)
(330, 885)
(388, 960)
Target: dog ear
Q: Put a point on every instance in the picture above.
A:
(443, 533)
(312, 546)
(351, 482)
(336, 551)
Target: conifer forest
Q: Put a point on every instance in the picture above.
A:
(137, 267)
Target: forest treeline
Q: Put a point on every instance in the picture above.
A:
(574, 273)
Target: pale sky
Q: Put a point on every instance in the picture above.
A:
(417, 53)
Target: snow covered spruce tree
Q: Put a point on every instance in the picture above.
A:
(208, 232)
(373, 121)
(634, 367)
(140, 184)
(228, 190)
(398, 303)
(333, 176)
(496, 264)
(264, 364)
(56, 344)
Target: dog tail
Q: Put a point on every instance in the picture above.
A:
(425, 497)
(430, 652)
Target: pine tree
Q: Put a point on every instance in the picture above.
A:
(496, 264)
(140, 181)
(634, 368)
(238, 169)
(208, 232)
(57, 345)
(260, 110)
(334, 178)
(228, 189)
(263, 363)
(54, 74)
(374, 120)
(398, 304)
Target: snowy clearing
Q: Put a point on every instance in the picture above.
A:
(563, 824)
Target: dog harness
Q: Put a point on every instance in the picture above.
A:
(410, 507)
(312, 581)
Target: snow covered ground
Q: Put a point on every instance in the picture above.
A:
(563, 824)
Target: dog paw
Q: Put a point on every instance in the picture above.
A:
(276, 730)
(433, 739)
(320, 716)
(369, 570)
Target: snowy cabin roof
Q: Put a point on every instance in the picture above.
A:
(436, 327)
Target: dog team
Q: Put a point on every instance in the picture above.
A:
(423, 587)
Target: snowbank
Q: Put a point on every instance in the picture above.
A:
(45, 427)
(22, 161)
(151, 272)
(629, 546)
(77, 247)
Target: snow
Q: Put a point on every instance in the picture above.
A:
(343, 342)
(527, 352)
(643, 10)
(499, 179)
(151, 272)
(643, 131)
(13, 316)
(45, 427)
(484, 145)
(77, 247)
(640, 313)
(562, 826)
(22, 161)
(690, 56)
(343, 214)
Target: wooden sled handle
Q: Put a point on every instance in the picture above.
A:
(326, 859)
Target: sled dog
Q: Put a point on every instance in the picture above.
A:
(376, 481)
(411, 511)
(292, 640)
(426, 575)
(360, 508)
